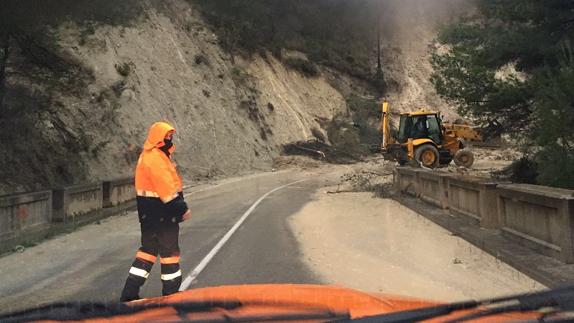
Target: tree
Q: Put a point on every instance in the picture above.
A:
(6, 28)
(554, 119)
(4, 56)
(379, 78)
(509, 67)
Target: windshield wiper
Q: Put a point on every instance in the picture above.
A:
(419, 314)
(84, 311)
(557, 301)
(87, 310)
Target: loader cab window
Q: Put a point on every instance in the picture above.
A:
(424, 126)
(405, 126)
(420, 127)
(434, 128)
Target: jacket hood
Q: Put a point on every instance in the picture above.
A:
(156, 135)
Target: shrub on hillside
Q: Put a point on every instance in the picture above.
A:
(245, 27)
(302, 65)
(124, 69)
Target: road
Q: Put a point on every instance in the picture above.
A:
(92, 263)
(242, 231)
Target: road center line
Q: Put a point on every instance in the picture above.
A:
(233, 181)
(207, 259)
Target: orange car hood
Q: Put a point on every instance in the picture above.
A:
(336, 299)
(311, 303)
(258, 299)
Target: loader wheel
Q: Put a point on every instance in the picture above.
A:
(464, 158)
(427, 156)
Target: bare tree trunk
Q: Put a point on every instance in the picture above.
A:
(379, 64)
(4, 54)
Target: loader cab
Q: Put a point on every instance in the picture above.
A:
(420, 125)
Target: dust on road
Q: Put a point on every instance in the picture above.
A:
(378, 245)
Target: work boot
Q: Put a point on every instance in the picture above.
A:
(170, 278)
(137, 277)
(171, 286)
(125, 298)
(131, 290)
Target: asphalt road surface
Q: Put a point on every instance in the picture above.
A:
(91, 264)
(266, 228)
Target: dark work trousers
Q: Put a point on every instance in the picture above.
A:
(160, 238)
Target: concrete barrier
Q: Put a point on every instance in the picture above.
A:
(74, 201)
(116, 192)
(474, 197)
(407, 180)
(539, 217)
(432, 188)
(24, 216)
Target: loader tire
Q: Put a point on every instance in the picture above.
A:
(427, 156)
(464, 158)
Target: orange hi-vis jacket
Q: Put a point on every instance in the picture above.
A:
(155, 173)
(158, 186)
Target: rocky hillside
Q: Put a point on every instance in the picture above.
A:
(163, 64)
(409, 31)
(84, 81)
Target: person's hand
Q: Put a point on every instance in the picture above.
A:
(186, 216)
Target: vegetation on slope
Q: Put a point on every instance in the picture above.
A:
(339, 34)
(512, 68)
(35, 75)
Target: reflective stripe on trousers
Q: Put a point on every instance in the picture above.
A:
(139, 272)
(157, 240)
(171, 276)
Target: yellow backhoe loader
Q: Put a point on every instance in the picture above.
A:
(423, 139)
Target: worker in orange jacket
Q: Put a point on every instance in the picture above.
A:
(161, 207)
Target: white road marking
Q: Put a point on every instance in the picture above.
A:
(207, 259)
(208, 188)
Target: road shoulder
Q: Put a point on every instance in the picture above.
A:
(546, 270)
(373, 244)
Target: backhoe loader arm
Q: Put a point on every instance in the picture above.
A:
(385, 128)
